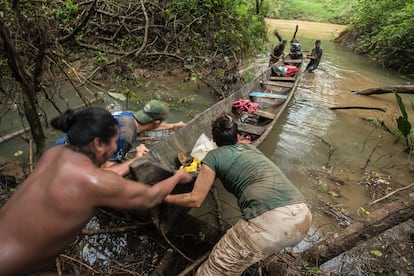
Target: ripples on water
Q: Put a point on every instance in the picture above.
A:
(300, 143)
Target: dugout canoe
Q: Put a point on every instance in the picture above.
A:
(271, 95)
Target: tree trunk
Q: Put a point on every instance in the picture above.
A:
(28, 88)
(386, 89)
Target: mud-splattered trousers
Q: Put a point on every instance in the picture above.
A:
(250, 241)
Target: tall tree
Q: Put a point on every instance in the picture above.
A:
(29, 83)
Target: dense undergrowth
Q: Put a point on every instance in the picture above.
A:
(383, 30)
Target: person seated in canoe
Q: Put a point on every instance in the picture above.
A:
(56, 201)
(274, 214)
(151, 117)
(315, 57)
(295, 50)
(278, 50)
(284, 71)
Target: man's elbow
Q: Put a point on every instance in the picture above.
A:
(196, 204)
(196, 201)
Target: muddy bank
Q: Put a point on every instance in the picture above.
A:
(313, 30)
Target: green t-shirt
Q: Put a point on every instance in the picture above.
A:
(258, 184)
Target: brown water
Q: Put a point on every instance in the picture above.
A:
(301, 141)
(300, 144)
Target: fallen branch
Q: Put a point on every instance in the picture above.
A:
(358, 107)
(367, 227)
(14, 134)
(194, 265)
(79, 262)
(390, 194)
(173, 246)
(409, 89)
(91, 232)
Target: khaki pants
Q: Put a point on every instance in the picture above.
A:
(248, 242)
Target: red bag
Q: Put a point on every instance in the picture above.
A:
(290, 71)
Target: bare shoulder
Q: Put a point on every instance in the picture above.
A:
(63, 166)
(73, 176)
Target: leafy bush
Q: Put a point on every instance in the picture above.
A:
(385, 31)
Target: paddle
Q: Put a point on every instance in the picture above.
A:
(294, 35)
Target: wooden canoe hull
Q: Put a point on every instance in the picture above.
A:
(163, 161)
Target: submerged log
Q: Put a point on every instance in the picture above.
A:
(358, 107)
(409, 89)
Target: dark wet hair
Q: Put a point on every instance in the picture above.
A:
(317, 41)
(224, 130)
(85, 124)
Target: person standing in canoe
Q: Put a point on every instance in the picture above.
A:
(315, 57)
(278, 50)
(274, 214)
(151, 117)
(51, 207)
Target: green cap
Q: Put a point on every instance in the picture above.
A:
(153, 111)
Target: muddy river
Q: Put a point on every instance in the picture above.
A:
(313, 144)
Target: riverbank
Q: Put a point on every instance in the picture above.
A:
(311, 30)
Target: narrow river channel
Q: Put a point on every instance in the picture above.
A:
(300, 145)
(312, 142)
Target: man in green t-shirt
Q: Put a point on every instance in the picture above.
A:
(273, 211)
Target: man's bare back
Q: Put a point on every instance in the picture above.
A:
(52, 213)
(50, 208)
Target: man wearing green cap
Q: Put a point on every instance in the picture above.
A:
(151, 117)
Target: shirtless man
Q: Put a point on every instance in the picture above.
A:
(50, 208)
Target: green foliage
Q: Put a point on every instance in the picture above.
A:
(217, 24)
(385, 31)
(68, 12)
(404, 125)
(332, 11)
(100, 59)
